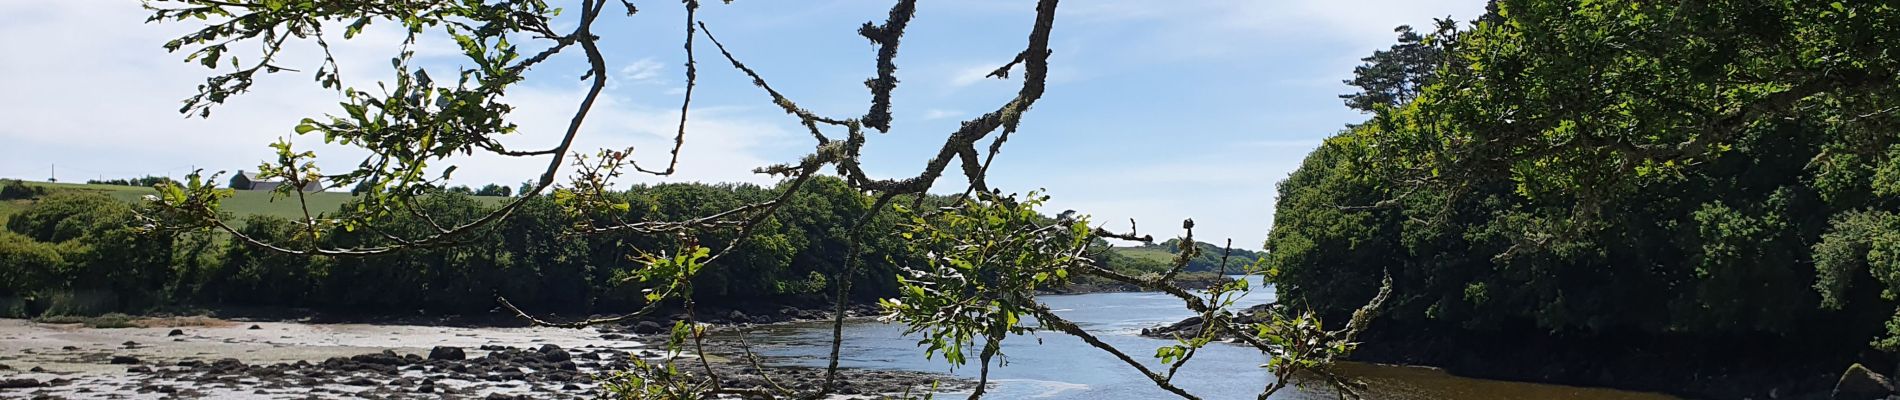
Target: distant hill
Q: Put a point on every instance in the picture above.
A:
(244, 202)
(1161, 255)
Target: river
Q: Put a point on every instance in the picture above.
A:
(1052, 365)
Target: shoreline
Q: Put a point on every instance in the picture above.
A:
(290, 353)
(762, 311)
(297, 360)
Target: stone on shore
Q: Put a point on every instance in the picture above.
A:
(1859, 383)
(447, 353)
(19, 383)
(648, 328)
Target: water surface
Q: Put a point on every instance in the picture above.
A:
(1052, 365)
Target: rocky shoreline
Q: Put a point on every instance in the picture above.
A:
(286, 355)
(1186, 281)
(193, 365)
(502, 373)
(1192, 325)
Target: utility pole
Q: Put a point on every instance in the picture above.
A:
(54, 178)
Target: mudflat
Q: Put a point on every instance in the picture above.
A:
(301, 360)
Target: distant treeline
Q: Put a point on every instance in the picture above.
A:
(77, 252)
(147, 181)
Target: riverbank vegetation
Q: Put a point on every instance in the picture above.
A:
(71, 250)
(1617, 193)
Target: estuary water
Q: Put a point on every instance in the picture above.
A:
(1052, 365)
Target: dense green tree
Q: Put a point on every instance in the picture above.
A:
(1618, 170)
(249, 275)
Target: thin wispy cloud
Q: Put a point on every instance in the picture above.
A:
(936, 114)
(645, 70)
(972, 75)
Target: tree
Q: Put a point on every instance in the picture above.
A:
(1391, 78)
(1617, 169)
(696, 244)
(495, 190)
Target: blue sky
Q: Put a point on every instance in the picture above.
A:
(1156, 110)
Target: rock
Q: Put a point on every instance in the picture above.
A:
(648, 328)
(69, 348)
(447, 353)
(19, 383)
(125, 360)
(139, 369)
(255, 327)
(554, 353)
(384, 358)
(176, 332)
(359, 381)
(129, 343)
(228, 365)
(738, 317)
(36, 369)
(1859, 383)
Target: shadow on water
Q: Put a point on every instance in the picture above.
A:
(1050, 365)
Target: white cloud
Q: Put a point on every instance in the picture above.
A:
(721, 144)
(979, 74)
(103, 99)
(644, 70)
(936, 114)
(971, 75)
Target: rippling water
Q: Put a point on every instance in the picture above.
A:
(1051, 365)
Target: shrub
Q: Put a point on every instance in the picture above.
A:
(14, 189)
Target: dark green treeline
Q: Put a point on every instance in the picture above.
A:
(74, 252)
(1646, 194)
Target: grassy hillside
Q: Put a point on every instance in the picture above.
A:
(1208, 261)
(244, 202)
(1149, 253)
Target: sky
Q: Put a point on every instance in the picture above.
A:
(1156, 111)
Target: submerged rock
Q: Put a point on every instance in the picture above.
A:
(125, 360)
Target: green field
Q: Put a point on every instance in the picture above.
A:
(1151, 253)
(243, 203)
